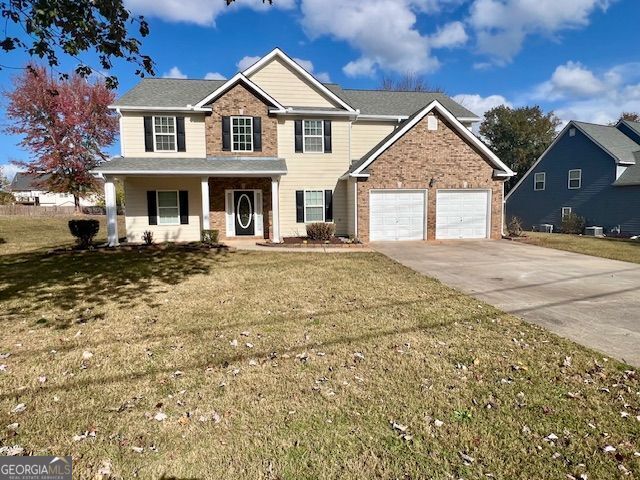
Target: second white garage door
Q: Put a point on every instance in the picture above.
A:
(397, 215)
(462, 214)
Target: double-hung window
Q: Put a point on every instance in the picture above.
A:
(313, 133)
(164, 134)
(168, 207)
(575, 179)
(314, 206)
(566, 211)
(539, 181)
(241, 134)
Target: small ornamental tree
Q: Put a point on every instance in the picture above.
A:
(65, 125)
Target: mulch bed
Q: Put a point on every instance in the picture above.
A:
(304, 242)
(155, 247)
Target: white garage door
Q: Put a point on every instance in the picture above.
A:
(396, 215)
(461, 214)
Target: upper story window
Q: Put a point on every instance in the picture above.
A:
(539, 181)
(242, 134)
(575, 179)
(313, 137)
(164, 134)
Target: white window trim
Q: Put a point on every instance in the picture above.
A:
(304, 136)
(158, 207)
(544, 181)
(569, 211)
(304, 204)
(175, 133)
(579, 179)
(251, 135)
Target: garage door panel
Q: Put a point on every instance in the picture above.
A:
(461, 214)
(397, 215)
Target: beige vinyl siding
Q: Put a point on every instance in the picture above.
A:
(288, 87)
(132, 135)
(137, 220)
(313, 171)
(366, 135)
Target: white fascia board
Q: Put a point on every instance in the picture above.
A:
(388, 118)
(276, 52)
(464, 131)
(239, 77)
(469, 119)
(311, 111)
(137, 108)
(192, 173)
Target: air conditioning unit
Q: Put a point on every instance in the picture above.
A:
(594, 231)
(545, 227)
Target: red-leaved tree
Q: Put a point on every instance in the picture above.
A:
(65, 124)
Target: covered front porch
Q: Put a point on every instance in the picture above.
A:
(177, 200)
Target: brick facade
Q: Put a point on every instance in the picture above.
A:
(217, 188)
(240, 101)
(421, 155)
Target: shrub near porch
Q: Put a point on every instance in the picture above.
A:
(179, 364)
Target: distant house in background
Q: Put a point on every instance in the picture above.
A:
(28, 190)
(591, 170)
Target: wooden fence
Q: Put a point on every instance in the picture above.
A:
(47, 211)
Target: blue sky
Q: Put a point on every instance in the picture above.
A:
(576, 57)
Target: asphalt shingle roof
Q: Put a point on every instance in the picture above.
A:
(172, 93)
(631, 176)
(24, 182)
(210, 165)
(612, 140)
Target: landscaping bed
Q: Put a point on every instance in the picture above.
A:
(334, 242)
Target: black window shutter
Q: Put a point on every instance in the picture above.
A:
(327, 136)
(299, 206)
(298, 132)
(328, 205)
(148, 134)
(257, 134)
(152, 207)
(226, 134)
(182, 146)
(184, 207)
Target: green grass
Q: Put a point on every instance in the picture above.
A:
(613, 248)
(341, 346)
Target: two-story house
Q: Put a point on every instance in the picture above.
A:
(273, 149)
(591, 170)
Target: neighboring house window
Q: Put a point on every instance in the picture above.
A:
(572, 132)
(314, 206)
(164, 134)
(539, 181)
(575, 179)
(313, 136)
(168, 208)
(242, 134)
(566, 211)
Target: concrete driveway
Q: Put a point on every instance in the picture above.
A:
(593, 301)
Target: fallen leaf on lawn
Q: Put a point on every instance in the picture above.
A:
(245, 334)
(552, 437)
(42, 379)
(249, 345)
(624, 414)
(21, 407)
(160, 417)
(4, 355)
(86, 355)
(233, 343)
(3, 368)
(253, 363)
(609, 449)
(137, 449)
(566, 362)
(178, 373)
(438, 423)
(399, 427)
(13, 451)
(358, 356)
(105, 470)
(183, 420)
(13, 426)
(466, 457)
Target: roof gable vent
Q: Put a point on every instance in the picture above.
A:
(572, 132)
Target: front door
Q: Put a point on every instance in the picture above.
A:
(244, 212)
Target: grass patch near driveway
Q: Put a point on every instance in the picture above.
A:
(252, 365)
(612, 248)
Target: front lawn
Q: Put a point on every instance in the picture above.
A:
(253, 365)
(613, 248)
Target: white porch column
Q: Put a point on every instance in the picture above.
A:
(206, 223)
(275, 208)
(112, 211)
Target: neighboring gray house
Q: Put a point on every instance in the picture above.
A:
(591, 170)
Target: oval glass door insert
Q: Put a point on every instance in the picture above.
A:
(245, 213)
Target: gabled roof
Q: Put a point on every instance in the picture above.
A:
(358, 168)
(277, 53)
(24, 182)
(238, 78)
(386, 102)
(168, 92)
(630, 177)
(610, 139)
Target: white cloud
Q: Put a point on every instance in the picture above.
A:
(174, 73)
(570, 80)
(214, 76)
(10, 170)
(383, 31)
(246, 61)
(200, 12)
(451, 35)
(501, 26)
(479, 104)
